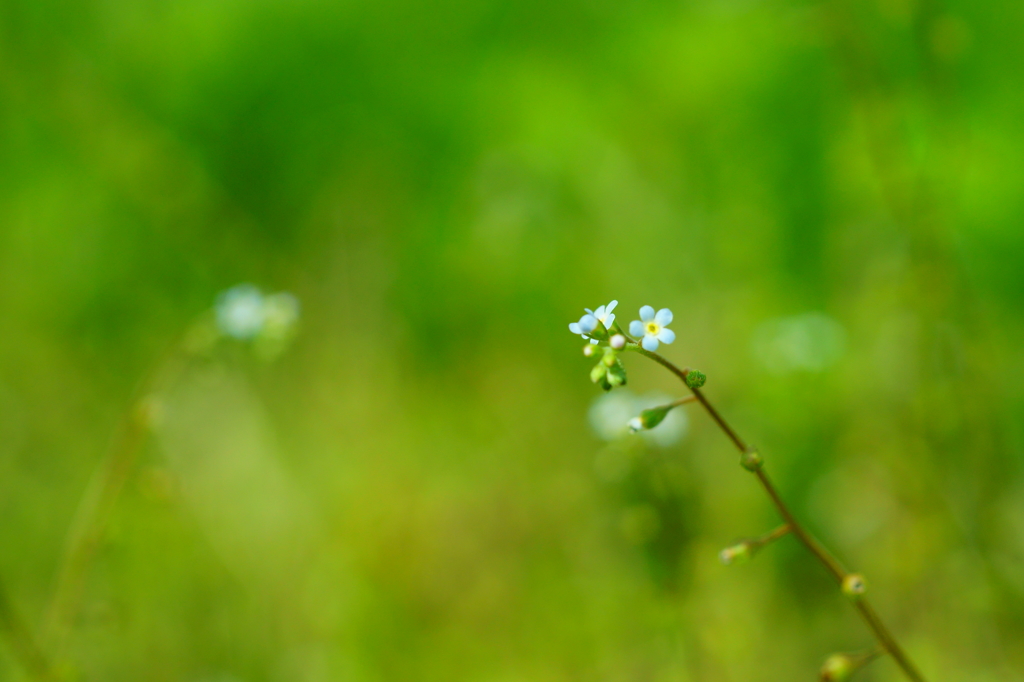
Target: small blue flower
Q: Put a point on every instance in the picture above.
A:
(653, 327)
(241, 312)
(604, 314)
(247, 314)
(588, 322)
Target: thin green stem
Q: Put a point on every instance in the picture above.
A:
(23, 644)
(88, 528)
(885, 639)
(772, 535)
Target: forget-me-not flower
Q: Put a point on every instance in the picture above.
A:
(653, 328)
(588, 322)
(604, 314)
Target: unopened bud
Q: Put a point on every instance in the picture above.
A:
(618, 342)
(854, 586)
(745, 549)
(695, 378)
(837, 668)
(648, 419)
(589, 350)
(737, 554)
(598, 373)
(751, 460)
(616, 375)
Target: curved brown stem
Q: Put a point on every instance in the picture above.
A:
(834, 567)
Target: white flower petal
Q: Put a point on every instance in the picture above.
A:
(241, 312)
(609, 321)
(589, 311)
(611, 306)
(647, 313)
(594, 341)
(588, 323)
(666, 335)
(663, 317)
(574, 327)
(599, 313)
(650, 343)
(636, 328)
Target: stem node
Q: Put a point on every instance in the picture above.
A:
(751, 459)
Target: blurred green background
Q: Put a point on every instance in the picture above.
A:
(829, 196)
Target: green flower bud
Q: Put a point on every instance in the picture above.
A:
(648, 419)
(695, 378)
(737, 554)
(598, 373)
(854, 586)
(751, 460)
(836, 668)
(610, 357)
(616, 374)
(589, 350)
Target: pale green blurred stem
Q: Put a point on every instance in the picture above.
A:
(87, 529)
(92, 517)
(882, 634)
(20, 638)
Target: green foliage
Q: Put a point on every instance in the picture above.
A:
(408, 491)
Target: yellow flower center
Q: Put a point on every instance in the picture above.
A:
(652, 328)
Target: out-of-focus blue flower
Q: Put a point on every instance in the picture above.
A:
(246, 314)
(652, 327)
(241, 312)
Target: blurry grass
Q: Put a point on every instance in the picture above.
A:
(444, 188)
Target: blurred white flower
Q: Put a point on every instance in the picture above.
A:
(241, 312)
(244, 313)
(810, 342)
(610, 415)
(653, 327)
